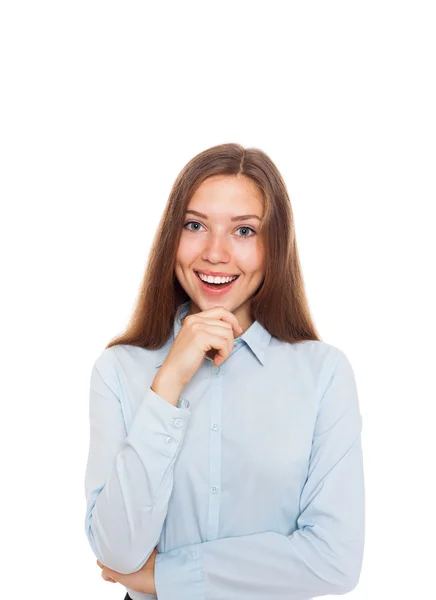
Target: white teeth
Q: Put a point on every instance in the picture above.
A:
(210, 279)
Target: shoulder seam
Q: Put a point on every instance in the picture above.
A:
(105, 352)
(329, 382)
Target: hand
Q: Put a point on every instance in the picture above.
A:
(140, 581)
(209, 329)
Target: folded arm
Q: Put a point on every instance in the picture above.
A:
(323, 556)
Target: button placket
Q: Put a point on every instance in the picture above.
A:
(214, 454)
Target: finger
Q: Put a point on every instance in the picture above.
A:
(132, 580)
(109, 575)
(224, 333)
(221, 314)
(104, 574)
(215, 324)
(223, 344)
(218, 322)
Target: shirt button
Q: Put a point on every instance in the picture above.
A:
(216, 369)
(168, 440)
(185, 403)
(214, 489)
(178, 422)
(214, 426)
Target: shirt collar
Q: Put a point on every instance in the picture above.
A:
(256, 336)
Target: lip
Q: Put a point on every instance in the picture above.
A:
(220, 274)
(218, 291)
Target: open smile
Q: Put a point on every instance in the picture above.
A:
(215, 289)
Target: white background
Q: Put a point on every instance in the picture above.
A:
(102, 104)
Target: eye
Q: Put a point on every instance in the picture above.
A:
(192, 222)
(249, 229)
(242, 227)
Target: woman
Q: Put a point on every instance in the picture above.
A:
(225, 456)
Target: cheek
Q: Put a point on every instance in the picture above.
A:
(250, 257)
(186, 251)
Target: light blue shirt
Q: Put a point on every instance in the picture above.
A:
(252, 487)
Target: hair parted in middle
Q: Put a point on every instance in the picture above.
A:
(279, 304)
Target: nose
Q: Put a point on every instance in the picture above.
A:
(217, 249)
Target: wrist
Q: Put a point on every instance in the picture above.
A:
(167, 386)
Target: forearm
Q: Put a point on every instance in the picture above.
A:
(129, 480)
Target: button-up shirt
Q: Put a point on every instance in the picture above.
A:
(251, 488)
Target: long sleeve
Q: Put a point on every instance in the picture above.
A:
(322, 556)
(129, 477)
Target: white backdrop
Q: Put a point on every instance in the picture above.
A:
(102, 104)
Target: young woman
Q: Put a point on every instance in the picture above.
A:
(225, 458)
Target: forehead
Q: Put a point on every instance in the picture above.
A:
(224, 193)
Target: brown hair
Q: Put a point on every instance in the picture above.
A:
(280, 304)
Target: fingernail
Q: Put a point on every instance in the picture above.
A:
(240, 328)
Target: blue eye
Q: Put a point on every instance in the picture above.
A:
(242, 227)
(190, 223)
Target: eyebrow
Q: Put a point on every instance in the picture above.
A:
(238, 218)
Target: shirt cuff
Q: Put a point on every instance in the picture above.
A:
(179, 574)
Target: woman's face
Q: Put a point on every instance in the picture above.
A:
(214, 243)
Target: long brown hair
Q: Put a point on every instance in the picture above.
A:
(280, 303)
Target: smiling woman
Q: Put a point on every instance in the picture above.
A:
(225, 453)
(228, 214)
